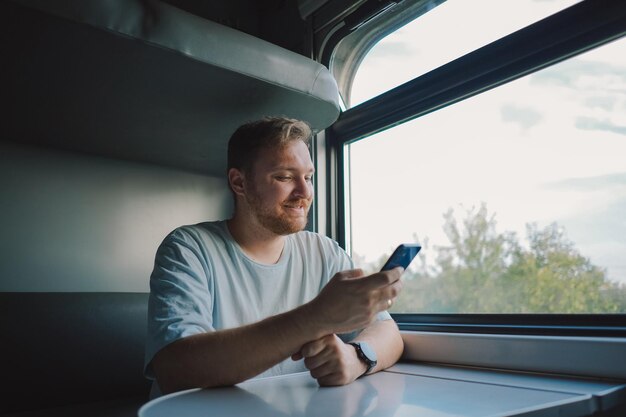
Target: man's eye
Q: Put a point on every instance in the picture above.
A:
(283, 178)
(309, 179)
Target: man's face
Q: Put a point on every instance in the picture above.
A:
(280, 189)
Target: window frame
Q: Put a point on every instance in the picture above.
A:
(570, 32)
(583, 325)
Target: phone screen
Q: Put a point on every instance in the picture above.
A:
(402, 256)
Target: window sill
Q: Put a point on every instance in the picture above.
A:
(595, 357)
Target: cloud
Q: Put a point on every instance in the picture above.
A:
(588, 123)
(572, 73)
(600, 235)
(590, 183)
(526, 117)
(599, 230)
(605, 102)
(564, 74)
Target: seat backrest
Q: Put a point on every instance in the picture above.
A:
(66, 348)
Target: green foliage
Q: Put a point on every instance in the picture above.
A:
(484, 271)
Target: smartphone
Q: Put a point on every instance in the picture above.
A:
(402, 256)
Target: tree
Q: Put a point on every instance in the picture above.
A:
(484, 271)
(555, 278)
(471, 267)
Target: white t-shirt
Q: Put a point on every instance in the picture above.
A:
(202, 281)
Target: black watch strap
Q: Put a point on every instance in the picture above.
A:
(366, 354)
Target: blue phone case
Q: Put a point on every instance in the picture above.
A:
(402, 256)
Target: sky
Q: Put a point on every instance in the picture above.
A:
(549, 147)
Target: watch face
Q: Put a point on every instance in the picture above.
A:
(368, 351)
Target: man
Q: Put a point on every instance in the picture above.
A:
(257, 295)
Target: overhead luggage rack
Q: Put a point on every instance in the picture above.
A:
(145, 81)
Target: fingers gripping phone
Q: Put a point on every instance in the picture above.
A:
(402, 256)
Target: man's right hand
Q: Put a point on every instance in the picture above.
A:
(350, 300)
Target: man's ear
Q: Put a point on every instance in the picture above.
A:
(236, 180)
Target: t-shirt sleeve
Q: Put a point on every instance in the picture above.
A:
(180, 302)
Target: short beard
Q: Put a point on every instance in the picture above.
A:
(273, 222)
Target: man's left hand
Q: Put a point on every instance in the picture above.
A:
(331, 361)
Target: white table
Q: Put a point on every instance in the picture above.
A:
(405, 390)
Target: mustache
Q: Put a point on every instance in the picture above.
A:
(300, 202)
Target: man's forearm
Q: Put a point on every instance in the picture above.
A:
(231, 356)
(386, 341)
(349, 301)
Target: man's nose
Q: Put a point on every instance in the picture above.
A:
(303, 188)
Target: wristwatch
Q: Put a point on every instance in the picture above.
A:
(366, 354)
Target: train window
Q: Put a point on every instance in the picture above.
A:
(517, 194)
(427, 42)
